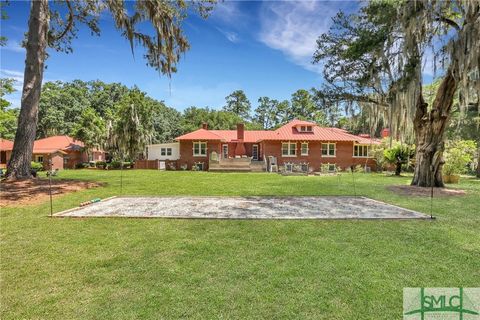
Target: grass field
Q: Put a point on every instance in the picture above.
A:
(208, 269)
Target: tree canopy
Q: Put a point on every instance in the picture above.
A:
(238, 103)
(48, 27)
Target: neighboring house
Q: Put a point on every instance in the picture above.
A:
(6, 147)
(64, 152)
(296, 143)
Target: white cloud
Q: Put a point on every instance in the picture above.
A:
(230, 35)
(15, 75)
(227, 11)
(293, 28)
(14, 46)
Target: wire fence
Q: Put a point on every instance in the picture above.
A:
(343, 186)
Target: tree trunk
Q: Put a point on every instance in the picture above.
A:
(19, 164)
(429, 126)
(398, 168)
(478, 161)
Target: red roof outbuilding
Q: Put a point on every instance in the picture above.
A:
(6, 145)
(56, 143)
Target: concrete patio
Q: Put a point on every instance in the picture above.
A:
(325, 207)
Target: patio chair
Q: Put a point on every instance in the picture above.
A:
(273, 164)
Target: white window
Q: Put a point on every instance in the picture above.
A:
(40, 159)
(166, 151)
(200, 149)
(289, 149)
(328, 150)
(361, 151)
(304, 149)
(305, 128)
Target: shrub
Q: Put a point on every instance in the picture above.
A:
(458, 155)
(115, 164)
(81, 165)
(37, 166)
(399, 154)
(100, 164)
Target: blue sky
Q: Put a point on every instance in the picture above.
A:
(263, 48)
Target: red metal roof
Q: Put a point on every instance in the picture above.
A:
(201, 134)
(55, 143)
(284, 133)
(6, 145)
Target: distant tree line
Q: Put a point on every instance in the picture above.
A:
(123, 120)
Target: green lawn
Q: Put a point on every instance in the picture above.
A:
(165, 268)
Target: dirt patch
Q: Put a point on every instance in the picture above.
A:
(425, 192)
(328, 207)
(34, 191)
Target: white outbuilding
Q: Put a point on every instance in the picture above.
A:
(163, 151)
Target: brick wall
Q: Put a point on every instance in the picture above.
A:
(343, 158)
(74, 157)
(186, 153)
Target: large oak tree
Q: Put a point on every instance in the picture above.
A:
(48, 27)
(374, 58)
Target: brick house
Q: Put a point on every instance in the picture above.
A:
(6, 147)
(296, 143)
(64, 152)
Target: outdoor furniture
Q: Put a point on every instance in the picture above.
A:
(214, 156)
(289, 167)
(273, 165)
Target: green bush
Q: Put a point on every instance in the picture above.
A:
(81, 165)
(37, 166)
(100, 164)
(399, 155)
(115, 164)
(458, 155)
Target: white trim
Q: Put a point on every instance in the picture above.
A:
(308, 149)
(328, 150)
(223, 155)
(361, 145)
(289, 149)
(199, 149)
(304, 128)
(258, 151)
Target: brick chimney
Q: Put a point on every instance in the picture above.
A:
(205, 126)
(240, 131)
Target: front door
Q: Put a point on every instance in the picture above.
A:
(225, 151)
(255, 152)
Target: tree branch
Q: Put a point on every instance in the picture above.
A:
(69, 25)
(450, 22)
